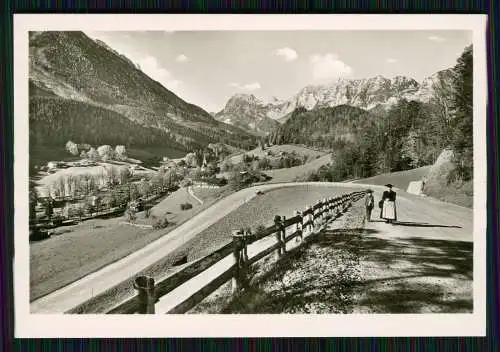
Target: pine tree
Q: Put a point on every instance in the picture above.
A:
(462, 123)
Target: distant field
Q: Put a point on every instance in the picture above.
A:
(145, 153)
(400, 179)
(279, 148)
(40, 155)
(291, 174)
(210, 193)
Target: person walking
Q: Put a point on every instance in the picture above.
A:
(388, 210)
(369, 201)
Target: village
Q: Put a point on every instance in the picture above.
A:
(105, 182)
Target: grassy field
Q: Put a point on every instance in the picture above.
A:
(145, 153)
(312, 154)
(206, 194)
(259, 211)
(40, 155)
(76, 251)
(297, 172)
(400, 179)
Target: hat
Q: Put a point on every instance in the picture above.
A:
(388, 185)
(369, 190)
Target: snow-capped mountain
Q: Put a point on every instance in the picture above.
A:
(248, 112)
(252, 113)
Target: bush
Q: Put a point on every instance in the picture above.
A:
(186, 206)
(38, 235)
(57, 220)
(160, 223)
(216, 181)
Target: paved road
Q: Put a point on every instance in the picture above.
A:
(424, 217)
(84, 289)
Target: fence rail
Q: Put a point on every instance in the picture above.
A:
(309, 221)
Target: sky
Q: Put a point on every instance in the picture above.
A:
(207, 67)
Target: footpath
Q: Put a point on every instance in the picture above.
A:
(358, 267)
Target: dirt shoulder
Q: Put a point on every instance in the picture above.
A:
(353, 268)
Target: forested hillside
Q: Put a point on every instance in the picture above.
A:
(82, 90)
(407, 135)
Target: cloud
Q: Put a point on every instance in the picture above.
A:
(435, 38)
(286, 53)
(328, 66)
(150, 66)
(248, 86)
(181, 58)
(391, 60)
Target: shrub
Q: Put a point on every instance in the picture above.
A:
(186, 206)
(160, 223)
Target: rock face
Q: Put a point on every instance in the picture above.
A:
(80, 89)
(438, 185)
(247, 112)
(374, 93)
(437, 177)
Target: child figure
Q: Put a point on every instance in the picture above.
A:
(369, 201)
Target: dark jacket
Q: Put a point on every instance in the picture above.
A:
(369, 201)
(389, 195)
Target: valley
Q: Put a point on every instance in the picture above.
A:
(126, 177)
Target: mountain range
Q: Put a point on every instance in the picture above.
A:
(82, 90)
(259, 116)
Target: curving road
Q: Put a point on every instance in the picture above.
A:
(429, 217)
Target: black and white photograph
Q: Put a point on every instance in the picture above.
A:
(261, 175)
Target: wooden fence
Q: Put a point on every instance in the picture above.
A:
(232, 259)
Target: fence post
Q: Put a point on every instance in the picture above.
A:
(283, 235)
(305, 216)
(236, 282)
(277, 223)
(146, 294)
(325, 208)
(246, 234)
(298, 226)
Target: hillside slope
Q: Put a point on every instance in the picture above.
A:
(400, 179)
(76, 81)
(322, 126)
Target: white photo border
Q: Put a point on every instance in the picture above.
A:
(214, 325)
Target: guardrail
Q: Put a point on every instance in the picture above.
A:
(231, 261)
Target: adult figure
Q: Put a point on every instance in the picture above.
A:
(388, 211)
(369, 202)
